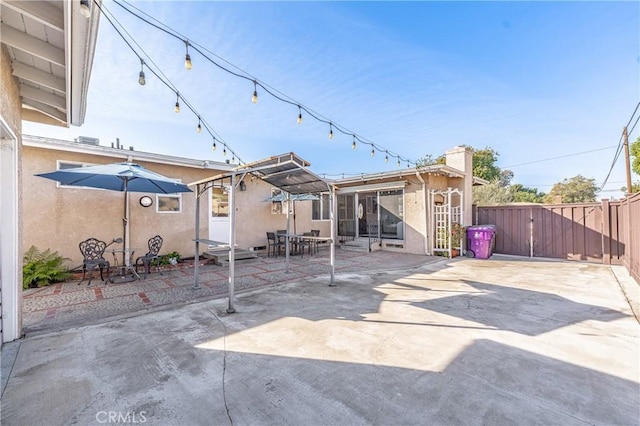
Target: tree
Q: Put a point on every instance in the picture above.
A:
(484, 164)
(429, 160)
(491, 195)
(523, 194)
(578, 189)
(634, 151)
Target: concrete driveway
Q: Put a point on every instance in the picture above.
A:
(468, 341)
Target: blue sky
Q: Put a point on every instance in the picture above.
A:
(532, 80)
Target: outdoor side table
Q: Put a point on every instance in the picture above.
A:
(122, 273)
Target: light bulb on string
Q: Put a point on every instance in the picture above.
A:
(214, 147)
(177, 107)
(330, 131)
(299, 115)
(386, 156)
(187, 57)
(233, 159)
(353, 144)
(224, 151)
(254, 98)
(199, 128)
(398, 161)
(141, 79)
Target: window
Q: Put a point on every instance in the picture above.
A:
(320, 208)
(392, 213)
(276, 206)
(66, 165)
(219, 202)
(169, 203)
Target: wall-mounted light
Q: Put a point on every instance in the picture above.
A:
(85, 8)
(243, 186)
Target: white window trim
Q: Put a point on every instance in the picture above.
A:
(79, 163)
(178, 196)
(322, 208)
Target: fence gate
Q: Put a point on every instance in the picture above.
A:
(565, 231)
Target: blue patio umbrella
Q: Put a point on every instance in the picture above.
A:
(293, 197)
(124, 177)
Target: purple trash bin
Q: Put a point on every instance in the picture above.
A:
(480, 239)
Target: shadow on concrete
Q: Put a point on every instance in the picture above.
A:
(521, 311)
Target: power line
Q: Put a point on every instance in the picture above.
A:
(620, 146)
(561, 156)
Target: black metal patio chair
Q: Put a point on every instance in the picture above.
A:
(155, 244)
(92, 251)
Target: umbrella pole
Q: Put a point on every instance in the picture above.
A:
(124, 224)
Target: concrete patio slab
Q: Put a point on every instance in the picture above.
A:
(468, 341)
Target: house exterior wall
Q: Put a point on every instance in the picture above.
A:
(58, 218)
(417, 211)
(254, 217)
(10, 202)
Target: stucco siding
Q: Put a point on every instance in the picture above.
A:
(59, 218)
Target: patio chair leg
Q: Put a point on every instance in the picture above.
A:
(84, 271)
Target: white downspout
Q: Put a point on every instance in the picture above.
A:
(427, 212)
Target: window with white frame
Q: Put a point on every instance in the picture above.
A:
(320, 208)
(169, 203)
(66, 165)
(276, 206)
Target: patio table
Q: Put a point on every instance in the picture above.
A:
(127, 255)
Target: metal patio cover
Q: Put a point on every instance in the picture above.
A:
(288, 172)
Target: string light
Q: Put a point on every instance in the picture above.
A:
(141, 78)
(386, 156)
(187, 57)
(177, 107)
(214, 147)
(254, 98)
(224, 151)
(188, 65)
(233, 159)
(398, 161)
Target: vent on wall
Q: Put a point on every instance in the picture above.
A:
(88, 141)
(395, 245)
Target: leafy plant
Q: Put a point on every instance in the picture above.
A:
(166, 259)
(458, 233)
(43, 268)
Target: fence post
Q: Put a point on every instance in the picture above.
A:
(605, 232)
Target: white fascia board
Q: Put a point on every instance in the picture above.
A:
(119, 154)
(384, 186)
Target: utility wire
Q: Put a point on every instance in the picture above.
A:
(258, 83)
(561, 156)
(620, 147)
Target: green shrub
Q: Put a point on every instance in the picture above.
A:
(165, 259)
(43, 268)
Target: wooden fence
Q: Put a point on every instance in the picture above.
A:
(606, 232)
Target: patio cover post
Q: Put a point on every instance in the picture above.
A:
(286, 244)
(196, 263)
(232, 242)
(332, 221)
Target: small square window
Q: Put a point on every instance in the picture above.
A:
(169, 203)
